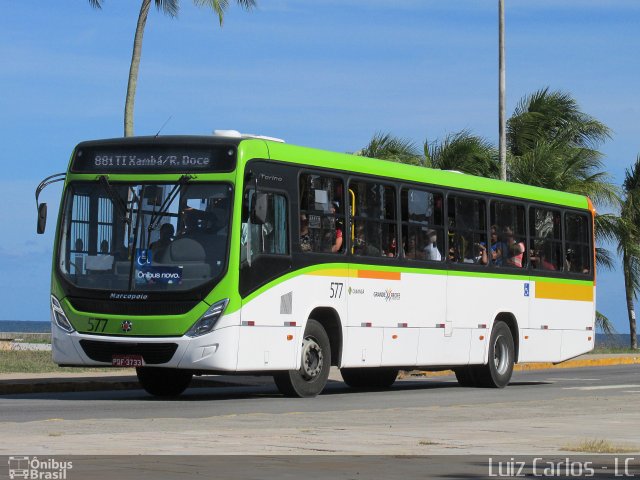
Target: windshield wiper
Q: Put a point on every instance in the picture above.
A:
(115, 198)
(175, 191)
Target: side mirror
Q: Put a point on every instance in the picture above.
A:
(42, 218)
(260, 209)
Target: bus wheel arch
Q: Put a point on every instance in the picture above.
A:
(330, 321)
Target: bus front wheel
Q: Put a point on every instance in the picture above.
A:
(369, 377)
(497, 372)
(310, 379)
(163, 382)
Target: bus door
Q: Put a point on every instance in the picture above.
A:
(265, 253)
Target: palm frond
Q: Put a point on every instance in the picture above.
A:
(604, 324)
(387, 147)
(221, 6)
(168, 7)
(464, 152)
(96, 4)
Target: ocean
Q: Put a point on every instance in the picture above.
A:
(25, 327)
(618, 340)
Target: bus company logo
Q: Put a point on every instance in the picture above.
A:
(356, 291)
(34, 468)
(128, 296)
(126, 326)
(388, 294)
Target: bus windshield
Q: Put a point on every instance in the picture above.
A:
(144, 237)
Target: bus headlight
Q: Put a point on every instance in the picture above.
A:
(208, 320)
(59, 316)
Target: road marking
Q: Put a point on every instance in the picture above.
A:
(602, 387)
(631, 391)
(574, 379)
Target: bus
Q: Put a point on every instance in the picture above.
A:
(231, 253)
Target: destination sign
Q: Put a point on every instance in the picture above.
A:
(164, 159)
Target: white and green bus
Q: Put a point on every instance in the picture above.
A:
(227, 254)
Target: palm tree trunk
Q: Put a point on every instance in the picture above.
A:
(630, 307)
(133, 70)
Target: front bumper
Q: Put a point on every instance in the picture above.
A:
(216, 351)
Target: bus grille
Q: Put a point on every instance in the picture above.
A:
(152, 353)
(90, 305)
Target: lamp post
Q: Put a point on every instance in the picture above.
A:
(502, 143)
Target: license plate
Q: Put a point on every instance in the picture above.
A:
(127, 361)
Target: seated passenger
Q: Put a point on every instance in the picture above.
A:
(305, 238)
(431, 250)
(515, 249)
(337, 243)
(497, 247)
(166, 237)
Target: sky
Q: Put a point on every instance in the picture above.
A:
(326, 74)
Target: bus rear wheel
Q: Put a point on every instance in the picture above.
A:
(310, 379)
(497, 372)
(369, 377)
(163, 382)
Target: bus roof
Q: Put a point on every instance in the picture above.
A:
(410, 173)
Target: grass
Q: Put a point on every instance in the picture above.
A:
(16, 361)
(599, 446)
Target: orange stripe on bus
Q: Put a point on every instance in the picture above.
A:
(379, 275)
(559, 291)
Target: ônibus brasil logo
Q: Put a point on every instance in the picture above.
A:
(34, 468)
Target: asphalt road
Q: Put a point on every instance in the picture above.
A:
(549, 411)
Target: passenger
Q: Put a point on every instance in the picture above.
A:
(337, 243)
(515, 249)
(104, 247)
(166, 237)
(305, 238)
(431, 250)
(497, 247)
(481, 256)
(393, 248)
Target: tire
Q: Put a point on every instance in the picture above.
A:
(311, 378)
(369, 377)
(163, 382)
(466, 376)
(497, 372)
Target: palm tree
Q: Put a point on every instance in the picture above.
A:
(170, 8)
(387, 147)
(460, 151)
(463, 152)
(552, 117)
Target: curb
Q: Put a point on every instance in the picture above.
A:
(526, 367)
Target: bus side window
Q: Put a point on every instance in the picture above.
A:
(422, 229)
(271, 237)
(578, 252)
(321, 214)
(508, 234)
(374, 226)
(467, 230)
(545, 239)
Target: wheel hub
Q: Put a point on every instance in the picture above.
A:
(501, 355)
(312, 358)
